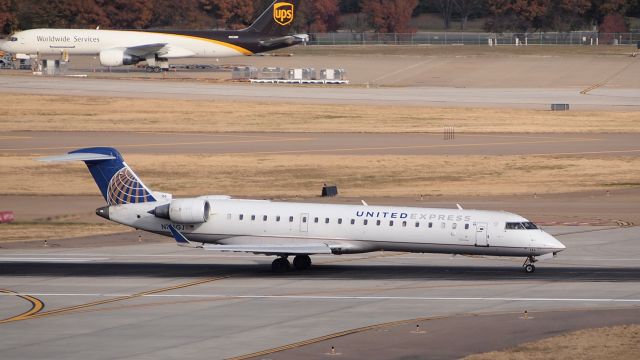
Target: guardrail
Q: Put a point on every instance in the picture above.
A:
(469, 38)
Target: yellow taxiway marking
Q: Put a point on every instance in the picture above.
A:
(414, 147)
(168, 144)
(37, 314)
(394, 324)
(36, 306)
(609, 78)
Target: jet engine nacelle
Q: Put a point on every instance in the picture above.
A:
(117, 57)
(184, 211)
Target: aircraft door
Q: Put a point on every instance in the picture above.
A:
(482, 237)
(304, 222)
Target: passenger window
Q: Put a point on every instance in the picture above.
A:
(365, 221)
(454, 226)
(253, 217)
(278, 218)
(264, 218)
(315, 220)
(443, 225)
(404, 224)
(339, 221)
(326, 220)
(304, 219)
(466, 226)
(430, 225)
(240, 217)
(353, 221)
(378, 222)
(290, 218)
(417, 224)
(390, 222)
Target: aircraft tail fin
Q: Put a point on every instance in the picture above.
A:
(277, 19)
(115, 179)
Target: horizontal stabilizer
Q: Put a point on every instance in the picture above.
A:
(77, 157)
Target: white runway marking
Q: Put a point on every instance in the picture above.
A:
(365, 298)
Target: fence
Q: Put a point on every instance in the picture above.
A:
(467, 38)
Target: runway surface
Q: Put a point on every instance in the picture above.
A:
(153, 300)
(323, 143)
(536, 98)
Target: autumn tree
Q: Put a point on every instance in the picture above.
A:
(61, 14)
(318, 16)
(127, 14)
(567, 15)
(465, 8)
(8, 18)
(184, 14)
(389, 16)
(519, 15)
(446, 10)
(230, 14)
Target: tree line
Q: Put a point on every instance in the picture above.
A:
(321, 15)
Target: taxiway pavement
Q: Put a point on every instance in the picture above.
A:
(54, 142)
(535, 98)
(154, 299)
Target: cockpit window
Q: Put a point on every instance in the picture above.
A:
(520, 226)
(13, 38)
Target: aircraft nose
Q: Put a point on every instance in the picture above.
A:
(553, 243)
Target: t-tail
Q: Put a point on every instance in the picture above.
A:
(277, 20)
(115, 179)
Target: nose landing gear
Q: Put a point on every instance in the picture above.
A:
(528, 266)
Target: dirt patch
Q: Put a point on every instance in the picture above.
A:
(617, 342)
(21, 231)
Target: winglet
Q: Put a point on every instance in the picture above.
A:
(180, 239)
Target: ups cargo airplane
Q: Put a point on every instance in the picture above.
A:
(286, 229)
(270, 31)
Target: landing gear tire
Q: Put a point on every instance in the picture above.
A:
(155, 69)
(302, 262)
(529, 268)
(280, 265)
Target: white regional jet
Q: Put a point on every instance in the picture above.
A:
(287, 229)
(270, 31)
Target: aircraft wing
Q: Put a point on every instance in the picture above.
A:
(144, 50)
(259, 245)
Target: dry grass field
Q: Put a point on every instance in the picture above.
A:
(290, 176)
(80, 113)
(618, 342)
(24, 231)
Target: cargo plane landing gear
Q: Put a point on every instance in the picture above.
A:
(282, 264)
(528, 266)
(151, 69)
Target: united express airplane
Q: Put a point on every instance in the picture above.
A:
(288, 229)
(270, 31)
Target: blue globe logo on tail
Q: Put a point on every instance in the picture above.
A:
(126, 188)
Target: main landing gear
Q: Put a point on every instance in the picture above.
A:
(528, 266)
(155, 69)
(300, 262)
